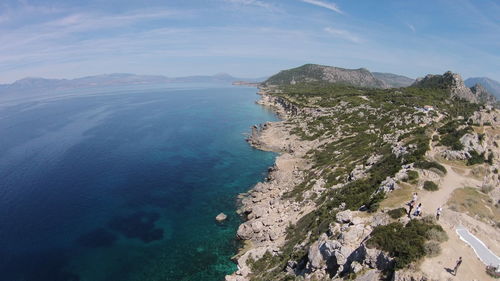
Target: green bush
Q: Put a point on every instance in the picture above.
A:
(397, 213)
(429, 165)
(451, 135)
(475, 158)
(405, 243)
(430, 186)
(412, 176)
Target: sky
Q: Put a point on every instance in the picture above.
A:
(246, 38)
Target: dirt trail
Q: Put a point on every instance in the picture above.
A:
(438, 268)
(451, 181)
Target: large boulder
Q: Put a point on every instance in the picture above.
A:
(344, 216)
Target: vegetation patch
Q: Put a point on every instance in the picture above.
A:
(406, 243)
(427, 165)
(450, 135)
(430, 186)
(412, 176)
(397, 213)
(475, 158)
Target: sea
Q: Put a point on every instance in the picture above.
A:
(124, 183)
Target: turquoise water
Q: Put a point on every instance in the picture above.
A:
(125, 184)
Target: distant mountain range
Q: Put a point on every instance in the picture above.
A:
(394, 80)
(492, 86)
(41, 85)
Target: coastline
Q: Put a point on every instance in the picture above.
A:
(267, 214)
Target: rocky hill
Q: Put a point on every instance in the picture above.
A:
(334, 206)
(394, 80)
(452, 82)
(492, 86)
(329, 74)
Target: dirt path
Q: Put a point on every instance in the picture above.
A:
(439, 268)
(451, 181)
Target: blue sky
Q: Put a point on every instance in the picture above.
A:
(246, 38)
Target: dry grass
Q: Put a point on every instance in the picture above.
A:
(478, 172)
(399, 197)
(459, 171)
(478, 129)
(474, 203)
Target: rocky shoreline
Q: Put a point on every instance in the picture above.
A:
(267, 214)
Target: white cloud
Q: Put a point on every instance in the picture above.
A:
(257, 3)
(326, 5)
(344, 34)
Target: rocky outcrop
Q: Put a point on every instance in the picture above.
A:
(482, 95)
(343, 250)
(452, 82)
(471, 142)
(321, 73)
(487, 116)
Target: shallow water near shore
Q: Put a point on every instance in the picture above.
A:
(125, 185)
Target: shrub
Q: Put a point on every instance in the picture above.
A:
(436, 235)
(432, 249)
(405, 243)
(475, 158)
(430, 186)
(412, 176)
(397, 213)
(429, 165)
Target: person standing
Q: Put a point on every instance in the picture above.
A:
(415, 197)
(438, 213)
(459, 262)
(418, 211)
(411, 204)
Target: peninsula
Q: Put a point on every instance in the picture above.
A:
(355, 153)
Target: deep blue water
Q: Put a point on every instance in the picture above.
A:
(125, 185)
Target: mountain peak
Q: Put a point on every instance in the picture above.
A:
(449, 81)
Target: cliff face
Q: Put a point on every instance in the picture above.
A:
(320, 73)
(449, 81)
(483, 95)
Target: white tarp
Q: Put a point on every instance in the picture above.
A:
(484, 254)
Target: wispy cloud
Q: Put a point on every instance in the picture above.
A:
(257, 3)
(344, 34)
(326, 5)
(410, 26)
